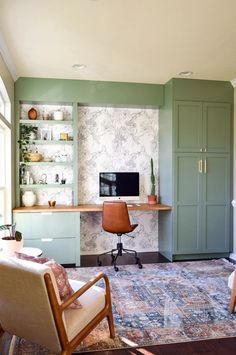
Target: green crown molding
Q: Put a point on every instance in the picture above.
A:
(203, 90)
(87, 92)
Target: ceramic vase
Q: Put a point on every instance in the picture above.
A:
(58, 115)
(29, 198)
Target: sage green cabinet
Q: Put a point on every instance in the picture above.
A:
(195, 164)
(57, 234)
(202, 217)
(202, 127)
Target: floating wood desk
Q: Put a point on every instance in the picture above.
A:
(91, 208)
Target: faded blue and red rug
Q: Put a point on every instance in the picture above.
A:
(161, 303)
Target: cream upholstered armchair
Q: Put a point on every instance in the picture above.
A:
(30, 306)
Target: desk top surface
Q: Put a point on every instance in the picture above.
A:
(91, 208)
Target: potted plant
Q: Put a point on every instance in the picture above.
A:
(12, 242)
(152, 198)
(27, 133)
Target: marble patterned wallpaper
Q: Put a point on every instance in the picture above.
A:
(116, 139)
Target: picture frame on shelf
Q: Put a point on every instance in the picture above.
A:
(45, 134)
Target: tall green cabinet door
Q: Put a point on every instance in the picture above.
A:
(187, 213)
(216, 127)
(216, 206)
(188, 126)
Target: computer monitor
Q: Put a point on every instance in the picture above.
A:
(119, 186)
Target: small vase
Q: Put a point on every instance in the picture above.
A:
(58, 115)
(29, 198)
(32, 114)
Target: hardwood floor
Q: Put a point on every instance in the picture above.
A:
(224, 346)
(125, 259)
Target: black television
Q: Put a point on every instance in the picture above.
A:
(119, 185)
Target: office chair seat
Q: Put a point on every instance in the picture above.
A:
(115, 220)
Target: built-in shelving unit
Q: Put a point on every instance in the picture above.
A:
(54, 176)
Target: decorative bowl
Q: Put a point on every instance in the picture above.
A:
(34, 157)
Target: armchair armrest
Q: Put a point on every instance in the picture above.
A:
(87, 285)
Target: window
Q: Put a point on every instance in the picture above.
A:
(5, 157)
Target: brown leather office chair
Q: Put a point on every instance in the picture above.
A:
(115, 219)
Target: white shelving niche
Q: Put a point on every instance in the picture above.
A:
(51, 178)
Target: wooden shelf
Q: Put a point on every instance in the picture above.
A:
(91, 208)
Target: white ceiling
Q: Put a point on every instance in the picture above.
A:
(147, 41)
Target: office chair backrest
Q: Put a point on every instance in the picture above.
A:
(115, 217)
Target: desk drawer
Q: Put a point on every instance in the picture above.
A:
(48, 224)
(62, 251)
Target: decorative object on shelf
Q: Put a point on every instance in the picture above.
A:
(152, 198)
(47, 159)
(45, 116)
(27, 132)
(52, 203)
(64, 136)
(58, 115)
(43, 179)
(13, 242)
(29, 198)
(35, 157)
(32, 114)
(46, 134)
(57, 178)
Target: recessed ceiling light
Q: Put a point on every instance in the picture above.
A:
(79, 66)
(186, 73)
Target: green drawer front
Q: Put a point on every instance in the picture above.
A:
(48, 224)
(62, 251)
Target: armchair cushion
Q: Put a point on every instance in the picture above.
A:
(92, 301)
(64, 288)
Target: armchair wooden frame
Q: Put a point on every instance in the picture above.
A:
(57, 310)
(233, 295)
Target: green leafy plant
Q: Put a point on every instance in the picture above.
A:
(13, 233)
(24, 141)
(153, 180)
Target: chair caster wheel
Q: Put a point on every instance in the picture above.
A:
(140, 266)
(116, 268)
(137, 261)
(99, 263)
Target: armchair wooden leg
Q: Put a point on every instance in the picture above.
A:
(232, 302)
(1, 330)
(111, 325)
(233, 295)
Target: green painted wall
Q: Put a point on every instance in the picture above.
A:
(89, 92)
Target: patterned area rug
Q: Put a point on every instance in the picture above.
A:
(161, 303)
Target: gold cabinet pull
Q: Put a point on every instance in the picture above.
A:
(205, 166)
(200, 166)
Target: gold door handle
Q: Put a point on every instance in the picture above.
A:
(205, 166)
(200, 166)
